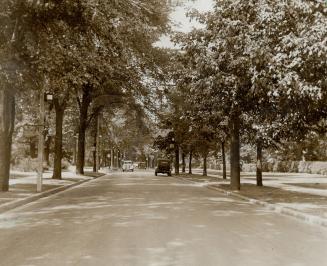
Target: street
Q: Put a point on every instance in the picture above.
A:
(139, 219)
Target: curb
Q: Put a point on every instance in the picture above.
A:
(21, 202)
(308, 218)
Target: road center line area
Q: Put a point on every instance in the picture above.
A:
(139, 219)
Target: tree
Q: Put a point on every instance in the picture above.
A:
(237, 62)
(55, 40)
(174, 120)
(130, 51)
(11, 69)
(289, 90)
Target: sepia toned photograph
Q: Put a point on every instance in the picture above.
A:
(163, 132)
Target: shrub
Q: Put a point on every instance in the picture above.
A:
(27, 164)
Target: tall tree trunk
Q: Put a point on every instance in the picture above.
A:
(235, 153)
(259, 163)
(104, 159)
(98, 147)
(33, 148)
(81, 150)
(183, 162)
(190, 162)
(7, 122)
(83, 112)
(75, 150)
(118, 159)
(112, 158)
(224, 159)
(94, 153)
(47, 150)
(60, 110)
(176, 159)
(95, 147)
(205, 164)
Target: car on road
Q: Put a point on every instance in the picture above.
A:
(128, 166)
(163, 167)
(141, 165)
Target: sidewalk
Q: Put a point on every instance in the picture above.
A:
(22, 186)
(298, 182)
(301, 195)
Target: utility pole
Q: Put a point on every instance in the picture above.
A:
(41, 141)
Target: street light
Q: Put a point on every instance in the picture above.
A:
(48, 97)
(44, 97)
(172, 145)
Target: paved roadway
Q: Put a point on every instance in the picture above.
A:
(138, 219)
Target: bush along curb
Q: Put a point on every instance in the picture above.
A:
(21, 202)
(308, 218)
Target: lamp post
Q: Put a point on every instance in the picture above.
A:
(48, 97)
(43, 98)
(172, 144)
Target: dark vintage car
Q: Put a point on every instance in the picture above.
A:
(163, 167)
(141, 165)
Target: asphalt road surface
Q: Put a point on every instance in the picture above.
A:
(138, 219)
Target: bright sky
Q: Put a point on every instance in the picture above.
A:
(182, 22)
